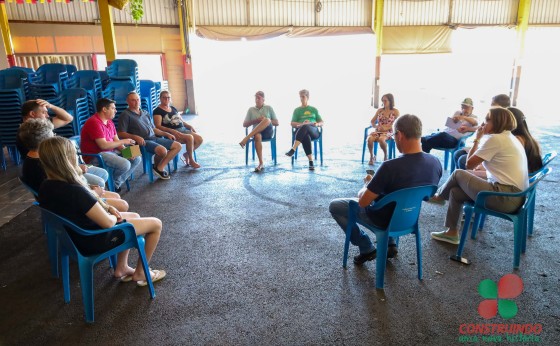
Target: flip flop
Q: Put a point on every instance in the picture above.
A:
(182, 158)
(157, 275)
(242, 146)
(259, 168)
(125, 278)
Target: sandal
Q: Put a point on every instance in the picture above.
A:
(259, 168)
(156, 276)
(184, 160)
(161, 174)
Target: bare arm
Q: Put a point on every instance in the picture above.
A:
(98, 215)
(365, 195)
(374, 119)
(61, 117)
(115, 144)
(126, 135)
(165, 134)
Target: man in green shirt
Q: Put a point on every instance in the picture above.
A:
(307, 120)
(263, 118)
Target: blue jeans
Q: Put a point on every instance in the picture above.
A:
(460, 157)
(339, 211)
(96, 176)
(438, 140)
(122, 168)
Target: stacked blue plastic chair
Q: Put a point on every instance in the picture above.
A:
(148, 95)
(71, 69)
(86, 262)
(158, 88)
(118, 91)
(104, 79)
(124, 69)
(49, 81)
(89, 80)
(12, 97)
(74, 101)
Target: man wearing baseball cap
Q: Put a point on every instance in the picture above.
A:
(462, 122)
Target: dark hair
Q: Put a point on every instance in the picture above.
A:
(34, 131)
(103, 103)
(501, 100)
(502, 120)
(409, 125)
(391, 100)
(532, 148)
(28, 107)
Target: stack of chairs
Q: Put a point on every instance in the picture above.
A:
(48, 82)
(124, 70)
(75, 102)
(89, 80)
(104, 79)
(148, 96)
(12, 97)
(118, 91)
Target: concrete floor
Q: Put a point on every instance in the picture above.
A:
(256, 259)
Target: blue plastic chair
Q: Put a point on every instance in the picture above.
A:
(315, 141)
(52, 241)
(147, 161)
(2, 158)
(391, 147)
(449, 152)
(251, 141)
(101, 162)
(86, 263)
(531, 213)
(519, 218)
(408, 203)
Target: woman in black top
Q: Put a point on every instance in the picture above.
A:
(168, 119)
(65, 194)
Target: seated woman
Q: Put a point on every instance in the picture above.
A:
(382, 121)
(504, 159)
(31, 134)
(531, 146)
(65, 193)
(307, 120)
(168, 119)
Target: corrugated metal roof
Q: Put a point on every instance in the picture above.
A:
(156, 12)
(545, 12)
(301, 13)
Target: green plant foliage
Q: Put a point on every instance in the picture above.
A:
(136, 9)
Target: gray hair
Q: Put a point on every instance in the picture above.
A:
(34, 131)
(409, 125)
(304, 92)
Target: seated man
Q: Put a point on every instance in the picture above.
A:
(135, 123)
(464, 122)
(99, 136)
(168, 119)
(413, 168)
(38, 109)
(32, 133)
(460, 156)
(263, 118)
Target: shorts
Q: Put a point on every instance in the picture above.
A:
(183, 130)
(153, 142)
(267, 133)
